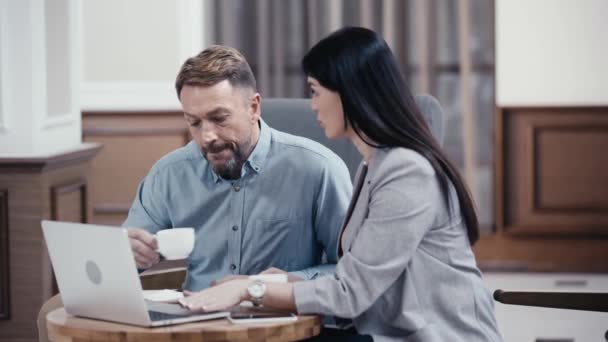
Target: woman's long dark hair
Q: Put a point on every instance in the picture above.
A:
(358, 64)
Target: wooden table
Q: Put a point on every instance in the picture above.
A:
(63, 327)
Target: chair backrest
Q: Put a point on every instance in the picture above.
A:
(295, 116)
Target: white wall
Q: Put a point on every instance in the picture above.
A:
(132, 51)
(551, 52)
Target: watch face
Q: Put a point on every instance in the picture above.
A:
(256, 290)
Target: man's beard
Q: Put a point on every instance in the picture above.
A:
(231, 169)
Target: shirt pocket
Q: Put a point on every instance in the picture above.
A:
(275, 243)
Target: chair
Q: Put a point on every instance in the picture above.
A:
(587, 301)
(48, 306)
(295, 116)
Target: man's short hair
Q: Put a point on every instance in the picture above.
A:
(213, 65)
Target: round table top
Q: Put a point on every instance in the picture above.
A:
(63, 327)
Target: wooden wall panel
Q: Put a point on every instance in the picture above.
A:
(69, 202)
(4, 261)
(551, 191)
(577, 184)
(133, 142)
(556, 172)
(25, 206)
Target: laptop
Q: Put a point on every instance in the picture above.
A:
(98, 278)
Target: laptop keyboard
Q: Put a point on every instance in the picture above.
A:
(161, 316)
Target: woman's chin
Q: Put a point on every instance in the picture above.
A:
(332, 135)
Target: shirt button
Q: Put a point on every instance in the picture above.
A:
(235, 228)
(233, 267)
(237, 188)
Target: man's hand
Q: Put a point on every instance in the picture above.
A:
(220, 297)
(144, 247)
(220, 281)
(290, 277)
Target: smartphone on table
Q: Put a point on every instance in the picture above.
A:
(252, 315)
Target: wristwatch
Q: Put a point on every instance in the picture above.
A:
(256, 291)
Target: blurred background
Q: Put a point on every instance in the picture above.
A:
(122, 46)
(426, 36)
(87, 105)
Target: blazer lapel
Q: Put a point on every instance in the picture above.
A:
(360, 180)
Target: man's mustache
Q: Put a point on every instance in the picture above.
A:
(216, 148)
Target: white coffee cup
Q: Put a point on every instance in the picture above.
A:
(175, 243)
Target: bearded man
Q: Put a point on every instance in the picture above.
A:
(257, 198)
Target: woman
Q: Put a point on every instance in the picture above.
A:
(406, 270)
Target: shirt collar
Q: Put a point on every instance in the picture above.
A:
(260, 152)
(258, 155)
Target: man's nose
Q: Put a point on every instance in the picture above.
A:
(208, 134)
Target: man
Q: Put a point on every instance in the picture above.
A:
(257, 198)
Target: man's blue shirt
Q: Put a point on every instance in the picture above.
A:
(284, 211)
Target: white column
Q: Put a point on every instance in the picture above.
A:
(39, 77)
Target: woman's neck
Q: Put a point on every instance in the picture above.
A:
(363, 148)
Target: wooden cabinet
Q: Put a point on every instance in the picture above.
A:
(33, 189)
(554, 163)
(551, 190)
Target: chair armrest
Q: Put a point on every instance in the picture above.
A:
(51, 304)
(588, 301)
(170, 278)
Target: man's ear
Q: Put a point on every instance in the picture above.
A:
(256, 107)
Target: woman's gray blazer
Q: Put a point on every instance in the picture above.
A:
(407, 272)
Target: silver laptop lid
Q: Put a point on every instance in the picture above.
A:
(96, 272)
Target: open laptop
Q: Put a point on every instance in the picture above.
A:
(97, 277)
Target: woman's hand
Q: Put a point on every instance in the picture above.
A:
(217, 298)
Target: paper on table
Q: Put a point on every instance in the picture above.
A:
(164, 296)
